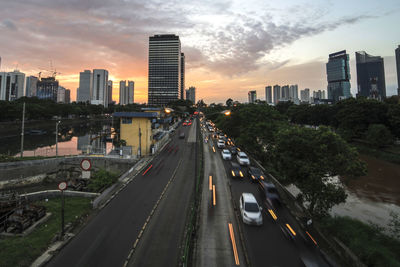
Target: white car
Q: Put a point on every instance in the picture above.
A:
(221, 143)
(242, 158)
(250, 210)
(226, 154)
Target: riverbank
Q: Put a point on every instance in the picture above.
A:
(391, 154)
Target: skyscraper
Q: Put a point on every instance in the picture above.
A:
(67, 96)
(338, 75)
(285, 93)
(277, 93)
(47, 88)
(370, 76)
(31, 86)
(85, 86)
(109, 90)
(268, 94)
(252, 96)
(164, 69)
(12, 85)
(182, 76)
(398, 69)
(61, 94)
(100, 90)
(294, 92)
(305, 95)
(131, 92)
(191, 94)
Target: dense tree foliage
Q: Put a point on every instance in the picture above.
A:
(36, 109)
(298, 155)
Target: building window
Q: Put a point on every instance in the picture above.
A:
(126, 121)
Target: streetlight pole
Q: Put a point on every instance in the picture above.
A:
(22, 131)
(57, 123)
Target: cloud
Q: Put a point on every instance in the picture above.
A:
(9, 24)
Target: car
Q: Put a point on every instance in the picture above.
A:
(210, 129)
(256, 174)
(233, 150)
(221, 143)
(184, 123)
(242, 158)
(182, 135)
(226, 154)
(269, 193)
(236, 170)
(221, 136)
(250, 210)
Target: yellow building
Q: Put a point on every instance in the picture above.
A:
(135, 129)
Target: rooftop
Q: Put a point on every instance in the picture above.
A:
(136, 114)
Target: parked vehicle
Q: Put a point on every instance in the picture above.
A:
(226, 154)
(250, 210)
(221, 143)
(256, 174)
(236, 170)
(242, 158)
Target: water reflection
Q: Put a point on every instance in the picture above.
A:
(74, 139)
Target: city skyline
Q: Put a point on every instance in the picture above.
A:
(236, 45)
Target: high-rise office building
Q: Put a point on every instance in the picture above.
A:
(67, 96)
(131, 92)
(277, 93)
(268, 94)
(338, 75)
(12, 85)
(293, 92)
(191, 94)
(61, 94)
(305, 95)
(370, 76)
(47, 88)
(182, 76)
(164, 69)
(284, 93)
(109, 90)
(397, 52)
(320, 94)
(31, 86)
(100, 89)
(252, 96)
(84, 93)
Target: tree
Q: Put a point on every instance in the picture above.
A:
(229, 102)
(379, 136)
(308, 158)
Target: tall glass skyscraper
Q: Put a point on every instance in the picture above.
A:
(164, 69)
(398, 69)
(370, 76)
(338, 75)
(268, 94)
(277, 93)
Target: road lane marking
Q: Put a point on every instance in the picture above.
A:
(272, 214)
(315, 242)
(147, 169)
(210, 182)
(291, 230)
(214, 199)
(232, 235)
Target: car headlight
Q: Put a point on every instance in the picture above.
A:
(241, 173)
(245, 215)
(262, 177)
(233, 173)
(252, 176)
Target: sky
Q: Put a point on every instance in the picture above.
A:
(230, 46)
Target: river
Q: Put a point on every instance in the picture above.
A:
(73, 139)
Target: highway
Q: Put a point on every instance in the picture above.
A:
(108, 238)
(267, 245)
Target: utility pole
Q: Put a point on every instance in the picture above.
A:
(23, 130)
(57, 123)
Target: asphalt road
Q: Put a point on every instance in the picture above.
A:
(109, 237)
(163, 237)
(267, 245)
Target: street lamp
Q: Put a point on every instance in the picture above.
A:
(57, 123)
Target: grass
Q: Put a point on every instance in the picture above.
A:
(6, 158)
(367, 242)
(101, 180)
(22, 251)
(391, 154)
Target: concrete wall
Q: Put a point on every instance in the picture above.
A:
(34, 171)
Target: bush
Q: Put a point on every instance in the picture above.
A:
(371, 246)
(379, 136)
(102, 179)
